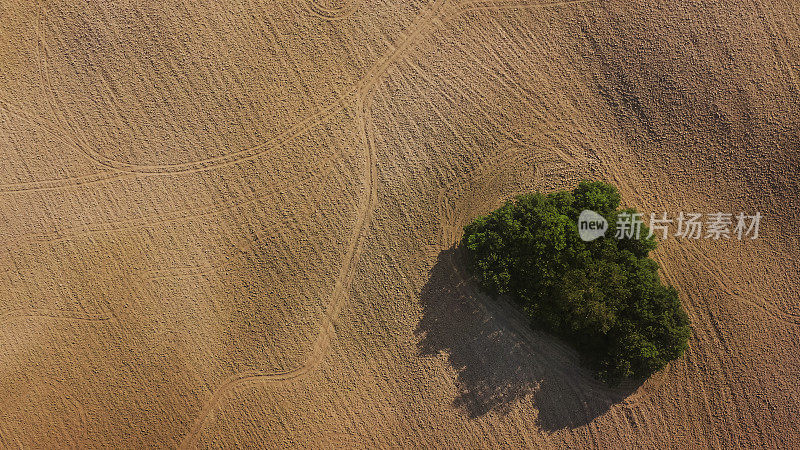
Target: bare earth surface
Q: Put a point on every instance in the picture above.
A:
(232, 226)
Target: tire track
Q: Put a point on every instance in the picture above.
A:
(474, 104)
(707, 333)
(359, 98)
(499, 5)
(328, 166)
(352, 96)
(501, 72)
(332, 13)
(702, 313)
(62, 136)
(359, 91)
(743, 296)
(428, 20)
(338, 296)
(490, 169)
(365, 84)
(780, 51)
(61, 121)
(54, 314)
(55, 128)
(49, 185)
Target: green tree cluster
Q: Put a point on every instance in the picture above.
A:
(604, 297)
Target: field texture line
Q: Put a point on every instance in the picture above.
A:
(338, 296)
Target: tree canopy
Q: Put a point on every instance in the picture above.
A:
(604, 296)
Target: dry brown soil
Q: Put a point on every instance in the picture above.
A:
(231, 224)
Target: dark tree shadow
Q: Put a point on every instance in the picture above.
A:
(500, 360)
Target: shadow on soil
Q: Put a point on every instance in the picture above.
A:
(499, 359)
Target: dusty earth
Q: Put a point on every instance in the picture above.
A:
(232, 224)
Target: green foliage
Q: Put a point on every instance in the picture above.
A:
(603, 296)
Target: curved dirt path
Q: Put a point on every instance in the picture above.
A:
(362, 98)
(338, 296)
